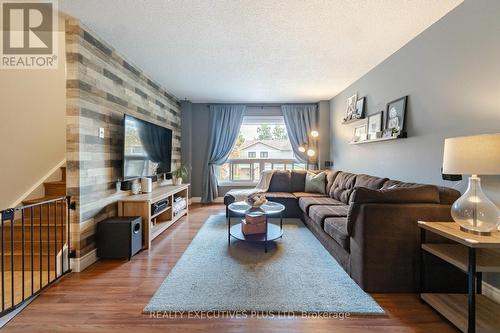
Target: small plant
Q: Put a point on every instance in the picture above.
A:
(181, 172)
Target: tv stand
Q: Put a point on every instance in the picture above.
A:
(154, 223)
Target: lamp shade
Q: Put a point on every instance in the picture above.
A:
(472, 155)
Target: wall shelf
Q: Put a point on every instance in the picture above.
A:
(402, 136)
(352, 121)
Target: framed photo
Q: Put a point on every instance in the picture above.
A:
(351, 107)
(396, 110)
(375, 124)
(359, 133)
(360, 109)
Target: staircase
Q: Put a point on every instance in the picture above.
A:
(34, 245)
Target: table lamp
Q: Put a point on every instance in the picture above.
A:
(474, 155)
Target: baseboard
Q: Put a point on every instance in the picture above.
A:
(79, 264)
(491, 292)
(198, 200)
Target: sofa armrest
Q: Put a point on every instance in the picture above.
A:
(385, 244)
(415, 194)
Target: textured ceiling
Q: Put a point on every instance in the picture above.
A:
(257, 51)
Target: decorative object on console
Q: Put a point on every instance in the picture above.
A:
(166, 181)
(180, 173)
(375, 124)
(474, 155)
(146, 185)
(395, 119)
(136, 186)
(351, 107)
(359, 133)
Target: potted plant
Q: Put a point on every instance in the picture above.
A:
(180, 173)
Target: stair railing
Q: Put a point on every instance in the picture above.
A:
(47, 224)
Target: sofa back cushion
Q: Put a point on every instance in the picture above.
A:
(342, 186)
(416, 194)
(447, 195)
(298, 180)
(330, 178)
(281, 182)
(371, 182)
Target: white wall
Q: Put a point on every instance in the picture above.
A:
(32, 125)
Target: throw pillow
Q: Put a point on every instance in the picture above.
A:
(316, 183)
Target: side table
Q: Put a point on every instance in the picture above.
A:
(473, 254)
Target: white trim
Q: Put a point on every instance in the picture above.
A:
(80, 264)
(491, 292)
(198, 200)
(38, 183)
(9, 316)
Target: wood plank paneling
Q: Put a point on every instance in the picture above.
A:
(101, 87)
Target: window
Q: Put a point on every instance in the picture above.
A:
(262, 136)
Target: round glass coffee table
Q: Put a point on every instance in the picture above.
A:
(269, 209)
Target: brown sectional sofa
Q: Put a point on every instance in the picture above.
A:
(369, 225)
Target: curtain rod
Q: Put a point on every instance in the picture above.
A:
(260, 105)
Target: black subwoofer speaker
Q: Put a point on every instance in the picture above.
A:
(119, 237)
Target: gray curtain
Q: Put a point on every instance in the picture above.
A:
(225, 123)
(299, 121)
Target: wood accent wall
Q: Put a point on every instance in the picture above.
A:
(101, 87)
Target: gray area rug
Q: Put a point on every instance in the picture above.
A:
(296, 275)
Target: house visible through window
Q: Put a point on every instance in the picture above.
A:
(264, 137)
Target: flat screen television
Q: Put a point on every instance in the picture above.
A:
(147, 149)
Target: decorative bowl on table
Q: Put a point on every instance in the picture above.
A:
(256, 200)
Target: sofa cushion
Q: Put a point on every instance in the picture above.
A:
(318, 213)
(342, 186)
(330, 178)
(298, 180)
(280, 182)
(336, 227)
(306, 202)
(415, 194)
(371, 182)
(316, 183)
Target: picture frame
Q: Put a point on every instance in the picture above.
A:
(374, 124)
(359, 133)
(351, 107)
(396, 114)
(360, 109)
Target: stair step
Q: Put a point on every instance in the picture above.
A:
(57, 188)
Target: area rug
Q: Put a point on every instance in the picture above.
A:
(297, 275)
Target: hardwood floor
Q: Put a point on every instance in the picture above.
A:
(109, 297)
